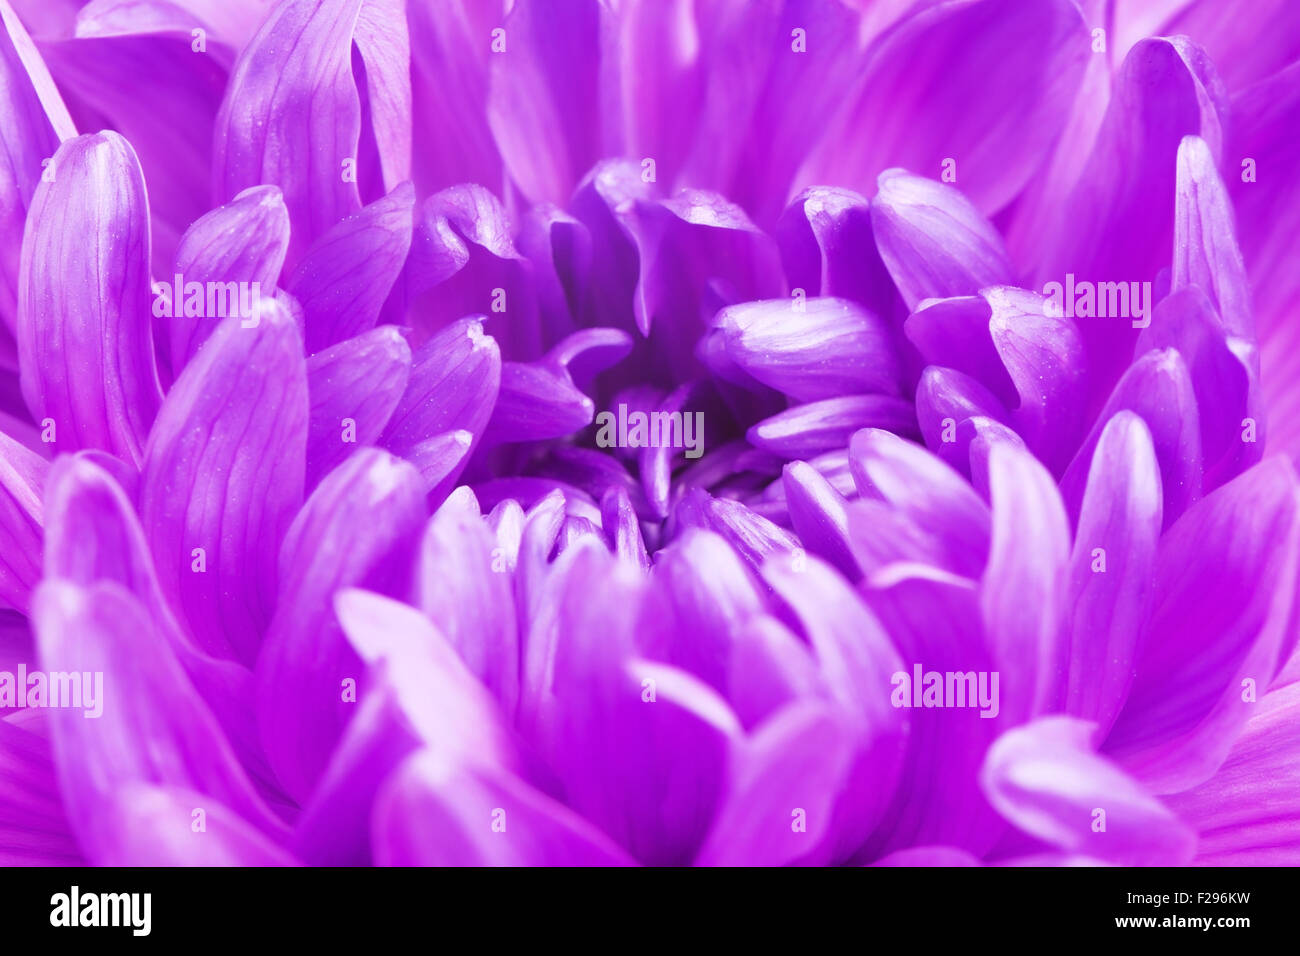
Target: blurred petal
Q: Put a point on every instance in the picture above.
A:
(22, 487)
(1045, 778)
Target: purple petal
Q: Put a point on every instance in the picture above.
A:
(821, 348)
(34, 828)
(805, 431)
(84, 333)
(36, 121)
(435, 811)
(305, 659)
(243, 241)
(1002, 100)
(1021, 592)
(818, 514)
(347, 273)
(933, 240)
(355, 387)
(1111, 569)
(1263, 830)
(1225, 578)
(455, 377)
(22, 487)
(464, 586)
(1045, 778)
(223, 472)
(153, 728)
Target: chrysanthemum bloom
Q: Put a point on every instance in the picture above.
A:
(787, 432)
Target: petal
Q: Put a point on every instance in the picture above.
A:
(153, 728)
(821, 348)
(435, 811)
(242, 241)
(818, 514)
(355, 387)
(83, 313)
(36, 121)
(1166, 89)
(223, 472)
(34, 828)
(111, 81)
(543, 107)
(1043, 355)
(934, 618)
(347, 273)
(292, 112)
(464, 587)
(1247, 813)
(1205, 246)
(945, 397)
(537, 401)
(1045, 778)
(1021, 594)
(1157, 388)
(455, 377)
(828, 247)
(348, 532)
(933, 240)
(805, 431)
(22, 485)
(1000, 102)
(1225, 579)
(1112, 569)
(925, 490)
(780, 808)
(956, 333)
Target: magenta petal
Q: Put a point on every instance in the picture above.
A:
(1225, 579)
(789, 774)
(1043, 355)
(347, 273)
(223, 472)
(1045, 778)
(1263, 830)
(1158, 388)
(436, 811)
(22, 486)
(927, 492)
(464, 587)
(355, 387)
(933, 241)
(945, 398)
(305, 659)
(1021, 592)
(1205, 247)
(153, 728)
(928, 856)
(34, 828)
(955, 333)
(84, 333)
(243, 241)
(1111, 569)
(36, 121)
(818, 514)
(814, 349)
(805, 431)
(385, 46)
(291, 117)
(1002, 101)
(455, 377)
(537, 401)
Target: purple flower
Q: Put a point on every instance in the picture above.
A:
(628, 432)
